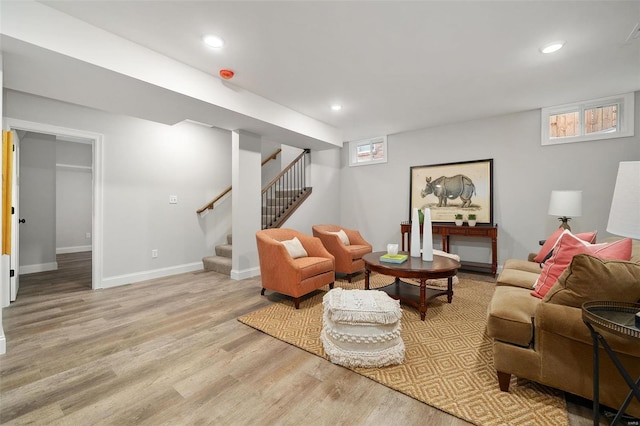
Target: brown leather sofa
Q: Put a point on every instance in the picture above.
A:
(348, 256)
(295, 277)
(546, 341)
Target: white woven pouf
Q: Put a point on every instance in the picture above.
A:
(361, 328)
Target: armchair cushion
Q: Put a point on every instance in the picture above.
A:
(591, 278)
(294, 248)
(342, 236)
(312, 266)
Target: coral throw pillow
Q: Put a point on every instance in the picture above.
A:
(567, 246)
(589, 237)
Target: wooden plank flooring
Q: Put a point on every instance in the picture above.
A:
(170, 352)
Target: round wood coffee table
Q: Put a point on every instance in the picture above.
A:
(414, 267)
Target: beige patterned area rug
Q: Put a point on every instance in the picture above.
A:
(448, 361)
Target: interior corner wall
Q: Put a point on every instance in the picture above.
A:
(143, 164)
(375, 198)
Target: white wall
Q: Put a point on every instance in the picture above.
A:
(375, 199)
(37, 156)
(323, 206)
(144, 163)
(73, 196)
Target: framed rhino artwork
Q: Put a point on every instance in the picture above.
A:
(454, 188)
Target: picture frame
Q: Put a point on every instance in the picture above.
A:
(453, 188)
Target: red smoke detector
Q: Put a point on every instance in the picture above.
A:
(226, 74)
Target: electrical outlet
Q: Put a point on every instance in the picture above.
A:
(87, 235)
(173, 199)
(154, 253)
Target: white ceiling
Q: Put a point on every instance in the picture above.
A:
(394, 66)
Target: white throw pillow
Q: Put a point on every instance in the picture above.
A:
(295, 248)
(343, 237)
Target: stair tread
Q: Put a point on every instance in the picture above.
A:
(219, 259)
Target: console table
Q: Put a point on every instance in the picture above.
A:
(446, 231)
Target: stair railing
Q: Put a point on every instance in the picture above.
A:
(211, 203)
(280, 196)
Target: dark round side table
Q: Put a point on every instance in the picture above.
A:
(618, 318)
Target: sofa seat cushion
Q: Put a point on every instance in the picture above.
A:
(515, 277)
(510, 315)
(312, 266)
(358, 250)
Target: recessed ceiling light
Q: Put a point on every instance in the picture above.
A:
(552, 47)
(336, 107)
(213, 41)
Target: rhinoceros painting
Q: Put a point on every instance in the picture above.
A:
(449, 188)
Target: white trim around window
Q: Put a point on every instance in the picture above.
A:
(624, 126)
(368, 151)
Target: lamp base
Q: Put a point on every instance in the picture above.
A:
(564, 224)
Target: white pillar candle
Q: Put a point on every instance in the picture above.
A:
(427, 237)
(415, 234)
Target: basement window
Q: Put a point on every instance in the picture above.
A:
(368, 151)
(596, 119)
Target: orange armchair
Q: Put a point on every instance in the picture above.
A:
(348, 257)
(295, 277)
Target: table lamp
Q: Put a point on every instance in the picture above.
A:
(566, 204)
(624, 216)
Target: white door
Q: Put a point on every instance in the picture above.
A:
(15, 219)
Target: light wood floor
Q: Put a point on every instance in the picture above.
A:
(170, 351)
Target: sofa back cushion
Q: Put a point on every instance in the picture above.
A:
(591, 278)
(566, 248)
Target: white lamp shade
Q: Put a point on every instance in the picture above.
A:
(566, 203)
(624, 217)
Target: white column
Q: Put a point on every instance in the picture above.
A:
(246, 203)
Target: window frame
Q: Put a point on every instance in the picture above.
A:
(625, 124)
(353, 151)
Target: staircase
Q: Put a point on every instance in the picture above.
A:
(278, 205)
(221, 262)
(280, 198)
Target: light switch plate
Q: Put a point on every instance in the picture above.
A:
(173, 199)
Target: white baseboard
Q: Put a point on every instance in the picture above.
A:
(148, 275)
(41, 267)
(76, 249)
(245, 273)
(3, 341)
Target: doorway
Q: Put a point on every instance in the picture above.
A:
(91, 170)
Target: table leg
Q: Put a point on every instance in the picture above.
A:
(367, 272)
(423, 299)
(449, 289)
(596, 377)
(494, 254)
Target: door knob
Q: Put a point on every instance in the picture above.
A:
(22, 220)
